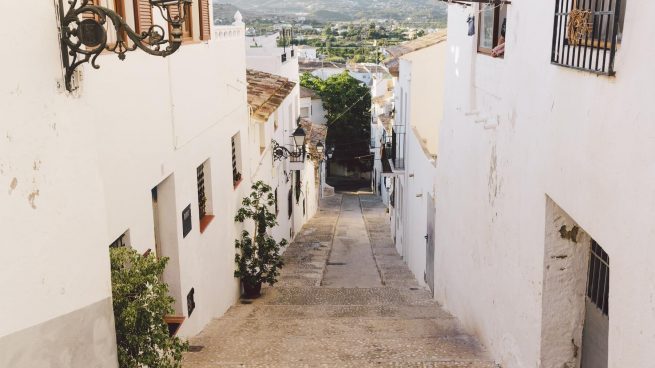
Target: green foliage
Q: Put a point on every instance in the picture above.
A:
(348, 106)
(141, 301)
(259, 260)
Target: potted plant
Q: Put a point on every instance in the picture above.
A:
(258, 260)
(142, 311)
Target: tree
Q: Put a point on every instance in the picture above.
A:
(259, 259)
(140, 302)
(348, 106)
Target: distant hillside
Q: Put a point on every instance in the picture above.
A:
(342, 10)
(224, 13)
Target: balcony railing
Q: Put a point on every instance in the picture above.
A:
(586, 34)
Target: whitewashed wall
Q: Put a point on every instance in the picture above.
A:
(78, 172)
(582, 140)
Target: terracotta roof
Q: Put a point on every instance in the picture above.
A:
(315, 133)
(266, 93)
(310, 66)
(308, 93)
(395, 52)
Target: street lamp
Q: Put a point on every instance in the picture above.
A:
(83, 33)
(330, 152)
(299, 137)
(297, 155)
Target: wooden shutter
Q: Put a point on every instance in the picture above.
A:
(187, 28)
(205, 22)
(142, 15)
(91, 15)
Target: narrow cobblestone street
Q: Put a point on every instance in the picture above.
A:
(345, 299)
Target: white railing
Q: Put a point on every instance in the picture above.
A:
(228, 32)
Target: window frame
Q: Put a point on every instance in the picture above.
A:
(495, 29)
(235, 146)
(205, 210)
(591, 53)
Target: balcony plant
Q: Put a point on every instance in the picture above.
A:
(141, 302)
(258, 259)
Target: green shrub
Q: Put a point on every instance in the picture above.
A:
(141, 301)
(259, 260)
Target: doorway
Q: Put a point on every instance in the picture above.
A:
(164, 215)
(429, 244)
(596, 323)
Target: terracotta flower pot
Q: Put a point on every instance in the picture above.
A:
(252, 291)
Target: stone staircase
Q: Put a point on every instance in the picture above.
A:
(298, 323)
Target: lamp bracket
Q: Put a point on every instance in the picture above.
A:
(281, 152)
(83, 34)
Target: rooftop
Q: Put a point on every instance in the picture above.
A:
(266, 92)
(310, 66)
(395, 52)
(315, 133)
(309, 93)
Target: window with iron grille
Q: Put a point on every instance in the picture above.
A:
(191, 301)
(298, 185)
(202, 196)
(587, 33)
(203, 177)
(290, 202)
(598, 278)
(277, 207)
(236, 160)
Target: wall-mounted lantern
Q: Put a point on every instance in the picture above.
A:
(330, 152)
(298, 154)
(83, 36)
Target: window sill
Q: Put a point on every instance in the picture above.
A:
(204, 222)
(174, 323)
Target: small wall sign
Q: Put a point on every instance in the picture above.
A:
(186, 221)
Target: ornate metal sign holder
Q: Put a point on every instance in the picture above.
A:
(83, 35)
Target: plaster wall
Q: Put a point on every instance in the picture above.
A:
(420, 177)
(424, 69)
(52, 207)
(78, 172)
(519, 129)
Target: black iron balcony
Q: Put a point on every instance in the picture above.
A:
(586, 34)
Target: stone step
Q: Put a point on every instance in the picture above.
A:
(372, 328)
(335, 311)
(367, 364)
(294, 350)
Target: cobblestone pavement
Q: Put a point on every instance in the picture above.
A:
(345, 299)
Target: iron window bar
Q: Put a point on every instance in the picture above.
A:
(585, 35)
(598, 278)
(202, 198)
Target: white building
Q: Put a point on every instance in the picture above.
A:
(89, 169)
(311, 106)
(294, 182)
(411, 147)
(307, 52)
(149, 153)
(545, 181)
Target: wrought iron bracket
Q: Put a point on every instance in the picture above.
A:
(83, 35)
(281, 152)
